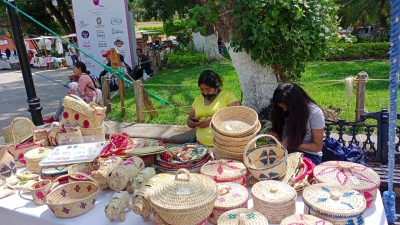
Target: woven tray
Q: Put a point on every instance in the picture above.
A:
(336, 204)
(352, 175)
(242, 216)
(235, 121)
(274, 199)
(225, 171)
(34, 156)
(301, 219)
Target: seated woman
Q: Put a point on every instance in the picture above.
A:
(85, 89)
(298, 121)
(212, 99)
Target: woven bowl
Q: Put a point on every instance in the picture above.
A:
(235, 121)
(76, 169)
(198, 152)
(221, 154)
(232, 148)
(242, 216)
(244, 137)
(301, 219)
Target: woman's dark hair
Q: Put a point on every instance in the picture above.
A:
(210, 78)
(82, 66)
(297, 101)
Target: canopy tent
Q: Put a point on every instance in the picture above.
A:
(50, 37)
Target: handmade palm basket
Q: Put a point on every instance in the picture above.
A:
(224, 139)
(225, 171)
(160, 221)
(184, 199)
(235, 121)
(7, 164)
(53, 172)
(34, 156)
(230, 196)
(266, 162)
(76, 169)
(336, 204)
(242, 217)
(274, 199)
(220, 153)
(352, 175)
(301, 219)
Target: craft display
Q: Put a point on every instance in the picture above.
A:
(68, 135)
(230, 196)
(41, 136)
(21, 129)
(302, 219)
(141, 179)
(118, 179)
(38, 190)
(22, 186)
(7, 164)
(336, 204)
(237, 120)
(184, 199)
(117, 205)
(225, 171)
(117, 146)
(34, 156)
(299, 173)
(242, 216)
(53, 172)
(160, 221)
(101, 175)
(86, 168)
(352, 175)
(274, 199)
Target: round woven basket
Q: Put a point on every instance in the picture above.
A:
(266, 162)
(184, 199)
(232, 148)
(225, 171)
(336, 204)
(352, 175)
(235, 121)
(76, 169)
(241, 138)
(222, 154)
(160, 221)
(274, 199)
(242, 217)
(301, 219)
(34, 156)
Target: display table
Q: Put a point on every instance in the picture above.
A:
(17, 211)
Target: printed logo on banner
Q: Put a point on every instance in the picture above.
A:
(118, 42)
(101, 34)
(86, 44)
(116, 31)
(85, 34)
(116, 21)
(82, 24)
(99, 22)
(89, 64)
(97, 3)
(102, 44)
(102, 52)
(98, 10)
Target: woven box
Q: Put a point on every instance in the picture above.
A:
(336, 204)
(34, 156)
(230, 196)
(352, 175)
(225, 171)
(242, 216)
(274, 199)
(301, 219)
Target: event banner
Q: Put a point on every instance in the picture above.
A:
(101, 25)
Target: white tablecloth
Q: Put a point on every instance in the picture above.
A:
(4, 65)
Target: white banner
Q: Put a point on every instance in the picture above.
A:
(101, 25)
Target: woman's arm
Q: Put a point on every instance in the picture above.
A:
(237, 103)
(316, 142)
(192, 115)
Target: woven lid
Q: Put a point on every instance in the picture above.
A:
(273, 192)
(231, 195)
(36, 153)
(224, 170)
(183, 191)
(243, 217)
(347, 174)
(301, 219)
(334, 200)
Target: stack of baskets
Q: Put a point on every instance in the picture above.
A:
(233, 128)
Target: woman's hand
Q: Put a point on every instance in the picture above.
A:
(70, 91)
(204, 123)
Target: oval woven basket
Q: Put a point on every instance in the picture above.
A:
(266, 162)
(194, 169)
(185, 199)
(235, 121)
(301, 219)
(222, 171)
(195, 151)
(242, 217)
(244, 137)
(220, 154)
(34, 156)
(76, 169)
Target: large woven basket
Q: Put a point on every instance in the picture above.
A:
(222, 154)
(274, 199)
(225, 171)
(301, 219)
(266, 162)
(235, 121)
(184, 199)
(22, 131)
(352, 175)
(336, 204)
(231, 148)
(34, 156)
(242, 217)
(241, 138)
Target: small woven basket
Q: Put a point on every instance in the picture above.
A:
(185, 199)
(76, 169)
(34, 156)
(336, 204)
(274, 199)
(7, 164)
(93, 131)
(301, 219)
(234, 149)
(222, 171)
(242, 217)
(235, 121)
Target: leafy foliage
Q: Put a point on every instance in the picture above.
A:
(158, 29)
(164, 10)
(170, 27)
(186, 59)
(346, 51)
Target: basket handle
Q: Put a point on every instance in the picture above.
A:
(185, 171)
(30, 126)
(23, 197)
(245, 160)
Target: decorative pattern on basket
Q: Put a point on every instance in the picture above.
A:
(237, 120)
(299, 173)
(117, 205)
(225, 171)
(352, 175)
(104, 170)
(118, 179)
(242, 217)
(274, 199)
(38, 190)
(185, 199)
(301, 219)
(34, 156)
(7, 164)
(336, 204)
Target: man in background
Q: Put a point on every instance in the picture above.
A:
(143, 64)
(73, 53)
(8, 53)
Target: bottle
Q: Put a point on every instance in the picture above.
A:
(144, 75)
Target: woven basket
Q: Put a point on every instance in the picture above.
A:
(7, 164)
(105, 169)
(86, 168)
(266, 162)
(242, 217)
(34, 156)
(230, 196)
(241, 138)
(72, 199)
(160, 221)
(93, 131)
(185, 199)
(352, 175)
(225, 171)
(274, 199)
(336, 204)
(232, 148)
(118, 179)
(301, 219)
(195, 169)
(219, 155)
(235, 121)
(22, 131)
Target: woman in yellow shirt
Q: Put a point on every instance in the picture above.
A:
(212, 99)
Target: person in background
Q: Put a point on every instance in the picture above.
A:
(8, 53)
(143, 64)
(212, 99)
(297, 121)
(30, 57)
(73, 53)
(124, 65)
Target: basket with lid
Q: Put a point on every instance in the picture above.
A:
(33, 157)
(184, 199)
(352, 175)
(230, 196)
(225, 171)
(235, 121)
(274, 199)
(336, 204)
(242, 217)
(301, 219)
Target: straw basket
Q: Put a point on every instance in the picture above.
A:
(225, 171)
(231, 148)
(274, 199)
(266, 162)
(185, 199)
(22, 131)
(241, 138)
(93, 131)
(86, 168)
(34, 156)
(301, 219)
(72, 199)
(7, 164)
(235, 121)
(352, 175)
(38, 191)
(242, 217)
(53, 172)
(336, 204)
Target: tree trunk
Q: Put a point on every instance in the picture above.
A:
(49, 5)
(207, 45)
(257, 82)
(67, 14)
(198, 41)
